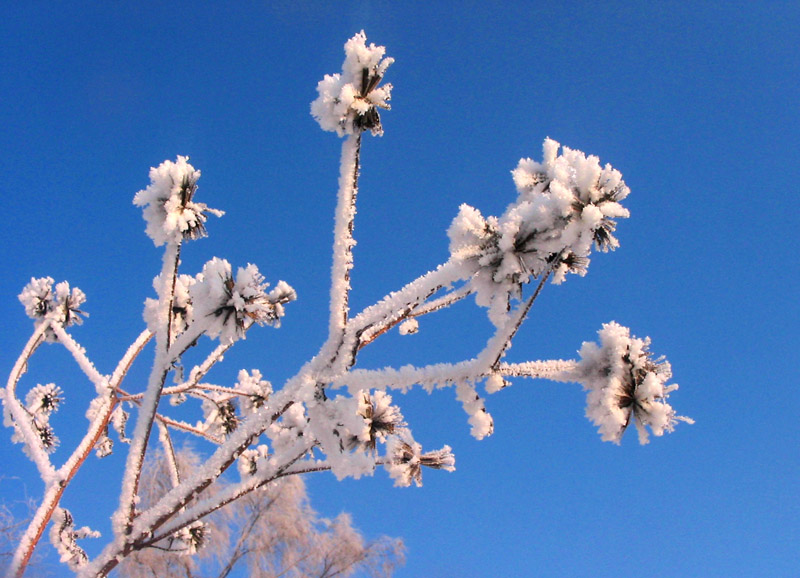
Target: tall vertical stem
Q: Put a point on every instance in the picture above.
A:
(343, 241)
(123, 518)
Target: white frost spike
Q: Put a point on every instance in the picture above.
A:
(169, 207)
(348, 102)
(624, 384)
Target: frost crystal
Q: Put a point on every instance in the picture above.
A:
(565, 205)
(348, 103)
(169, 208)
(624, 383)
(229, 305)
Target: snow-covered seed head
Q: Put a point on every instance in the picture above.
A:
(193, 538)
(47, 436)
(625, 383)
(169, 207)
(380, 416)
(566, 204)
(59, 304)
(37, 297)
(348, 103)
(249, 460)
(219, 411)
(255, 390)
(43, 400)
(229, 306)
(405, 460)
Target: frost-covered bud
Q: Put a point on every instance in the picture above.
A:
(182, 310)
(59, 304)
(250, 459)
(169, 208)
(43, 400)
(193, 537)
(405, 460)
(409, 327)
(625, 383)
(255, 390)
(381, 418)
(285, 433)
(228, 306)
(566, 204)
(104, 447)
(47, 436)
(348, 103)
(220, 415)
(495, 382)
(37, 297)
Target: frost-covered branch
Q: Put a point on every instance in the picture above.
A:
(331, 415)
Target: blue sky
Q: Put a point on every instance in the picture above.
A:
(696, 104)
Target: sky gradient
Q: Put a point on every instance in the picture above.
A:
(696, 105)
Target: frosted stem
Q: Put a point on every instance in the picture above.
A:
(169, 452)
(20, 415)
(144, 423)
(501, 341)
(343, 241)
(554, 370)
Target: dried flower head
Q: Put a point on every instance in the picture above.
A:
(169, 207)
(220, 415)
(192, 538)
(626, 384)
(229, 306)
(59, 304)
(381, 418)
(255, 390)
(47, 436)
(405, 460)
(348, 103)
(43, 400)
(566, 204)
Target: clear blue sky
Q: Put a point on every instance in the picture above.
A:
(696, 104)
